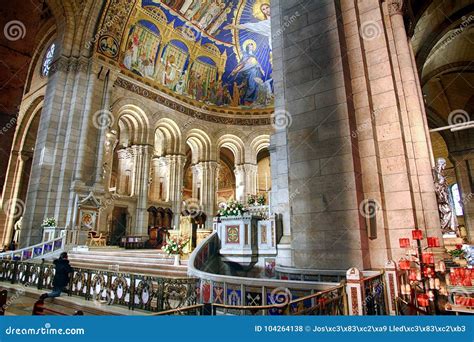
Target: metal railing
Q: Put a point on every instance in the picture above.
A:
(244, 295)
(134, 291)
(374, 295)
(39, 250)
(328, 302)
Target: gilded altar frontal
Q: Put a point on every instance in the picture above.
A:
(237, 157)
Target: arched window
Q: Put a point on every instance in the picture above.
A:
(48, 58)
(457, 200)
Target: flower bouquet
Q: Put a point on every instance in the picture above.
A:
(261, 200)
(232, 208)
(175, 245)
(251, 199)
(49, 222)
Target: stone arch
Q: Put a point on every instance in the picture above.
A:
(167, 139)
(258, 143)
(200, 145)
(133, 123)
(234, 144)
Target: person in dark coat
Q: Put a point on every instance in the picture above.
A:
(61, 278)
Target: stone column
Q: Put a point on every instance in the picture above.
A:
(13, 207)
(250, 179)
(175, 186)
(141, 177)
(208, 188)
(415, 126)
(124, 158)
(154, 193)
(464, 167)
(239, 173)
(197, 175)
(109, 146)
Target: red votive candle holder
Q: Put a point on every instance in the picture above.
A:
(404, 264)
(433, 242)
(417, 234)
(423, 300)
(428, 258)
(404, 243)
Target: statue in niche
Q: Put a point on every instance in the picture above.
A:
(447, 214)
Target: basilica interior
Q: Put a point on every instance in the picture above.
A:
(295, 148)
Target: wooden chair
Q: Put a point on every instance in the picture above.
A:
(96, 239)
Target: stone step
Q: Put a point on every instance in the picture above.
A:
(178, 272)
(144, 261)
(167, 264)
(118, 259)
(122, 253)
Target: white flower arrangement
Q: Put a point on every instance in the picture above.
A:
(175, 245)
(232, 208)
(49, 222)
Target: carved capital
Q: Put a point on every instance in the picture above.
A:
(395, 7)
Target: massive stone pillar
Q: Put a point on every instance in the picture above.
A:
(141, 178)
(69, 143)
(351, 165)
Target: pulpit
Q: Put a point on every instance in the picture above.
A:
(238, 238)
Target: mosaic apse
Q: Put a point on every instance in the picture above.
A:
(213, 52)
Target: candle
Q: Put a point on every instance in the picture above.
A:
(404, 243)
(428, 258)
(433, 242)
(404, 264)
(417, 234)
(422, 300)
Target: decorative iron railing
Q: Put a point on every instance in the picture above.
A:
(106, 287)
(374, 295)
(243, 295)
(39, 250)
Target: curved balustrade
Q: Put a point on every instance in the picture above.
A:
(135, 291)
(243, 295)
(39, 250)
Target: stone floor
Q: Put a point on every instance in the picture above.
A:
(21, 300)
